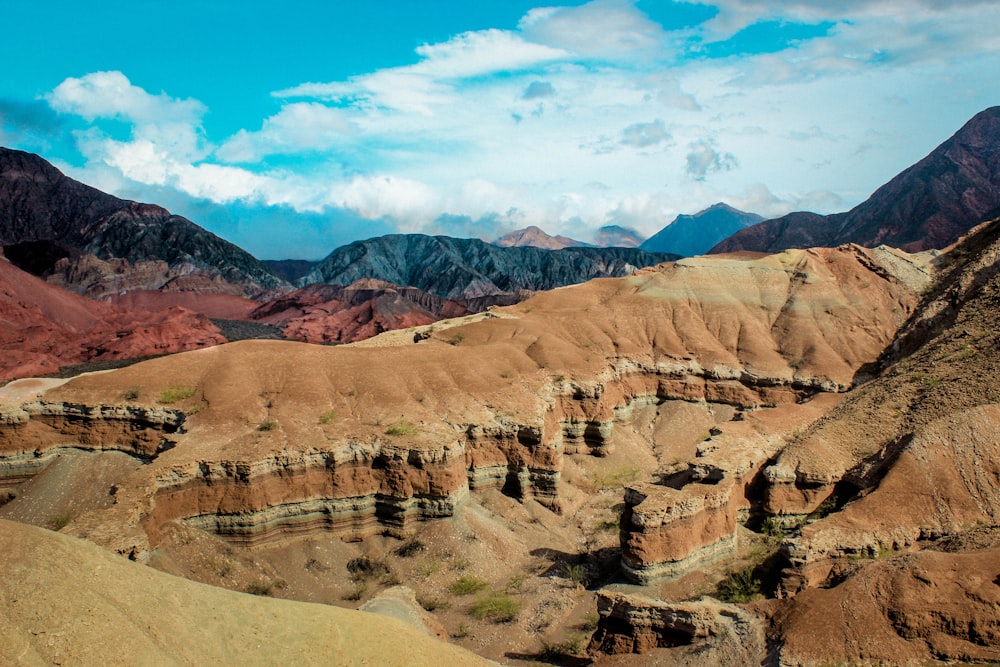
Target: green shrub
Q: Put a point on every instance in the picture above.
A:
(495, 607)
(557, 651)
(60, 521)
(739, 586)
(467, 585)
(327, 417)
(456, 339)
(401, 428)
(267, 425)
(573, 572)
(131, 394)
(174, 394)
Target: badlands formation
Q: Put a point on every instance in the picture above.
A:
(572, 475)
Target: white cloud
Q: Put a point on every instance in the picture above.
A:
(504, 128)
(301, 126)
(704, 159)
(607, 29)
(158, 119)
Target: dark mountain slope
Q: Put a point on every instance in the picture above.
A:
(40, 205)
(929, 205)
(690, 235)
(468, 268)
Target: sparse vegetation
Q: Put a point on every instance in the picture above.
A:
(265, 586)
(174, 394)
(554, 651)
(401, 428)
(825, 508)
(362, 568)
(516, 583)
(428, 568)
(614, 477)
(456, 339)
(131, 394)
(327, 417)
(590, 621)
(739, 586)
(357, 592)
(495, 607)
(773, 527)
(467, 585)
(574, 572)
(60, 521)
(410, 548)
(267, 425)
(432, 602)
(507, 374)
(195, 409)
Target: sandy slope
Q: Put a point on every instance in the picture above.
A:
(67, 601)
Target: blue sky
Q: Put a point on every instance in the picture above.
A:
(291, 128)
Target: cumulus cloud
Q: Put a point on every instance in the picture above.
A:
(704, 159)
(607, 29)
(171, 124)
(301, 126)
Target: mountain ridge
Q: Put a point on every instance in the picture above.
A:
(928, 205)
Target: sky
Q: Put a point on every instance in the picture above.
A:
(293, 128)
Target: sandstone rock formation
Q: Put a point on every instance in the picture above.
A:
(708, 632)
(376, 439)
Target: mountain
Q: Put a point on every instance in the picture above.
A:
(536, 238)
(44, 327)
(690, 235)
(322, 313)
(289, 269)
(929, 205)
(469, 268)
(61, 219)
(616, 236)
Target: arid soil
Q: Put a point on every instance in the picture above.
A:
(567, 479)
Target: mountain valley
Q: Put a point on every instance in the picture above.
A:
(769, 454)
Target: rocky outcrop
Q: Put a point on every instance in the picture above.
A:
(713, 632)
(333, 314)
(929, 205)
(901, 610)
(468, 268)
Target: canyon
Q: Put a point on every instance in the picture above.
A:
(696, 392)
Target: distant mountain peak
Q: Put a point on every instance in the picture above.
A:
(536, 237)
(695, 234)
(617, 236)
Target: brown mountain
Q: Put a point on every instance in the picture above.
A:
(534, 236)
(43, 327)
(929, 205)
(616, 236)
(47, 218)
